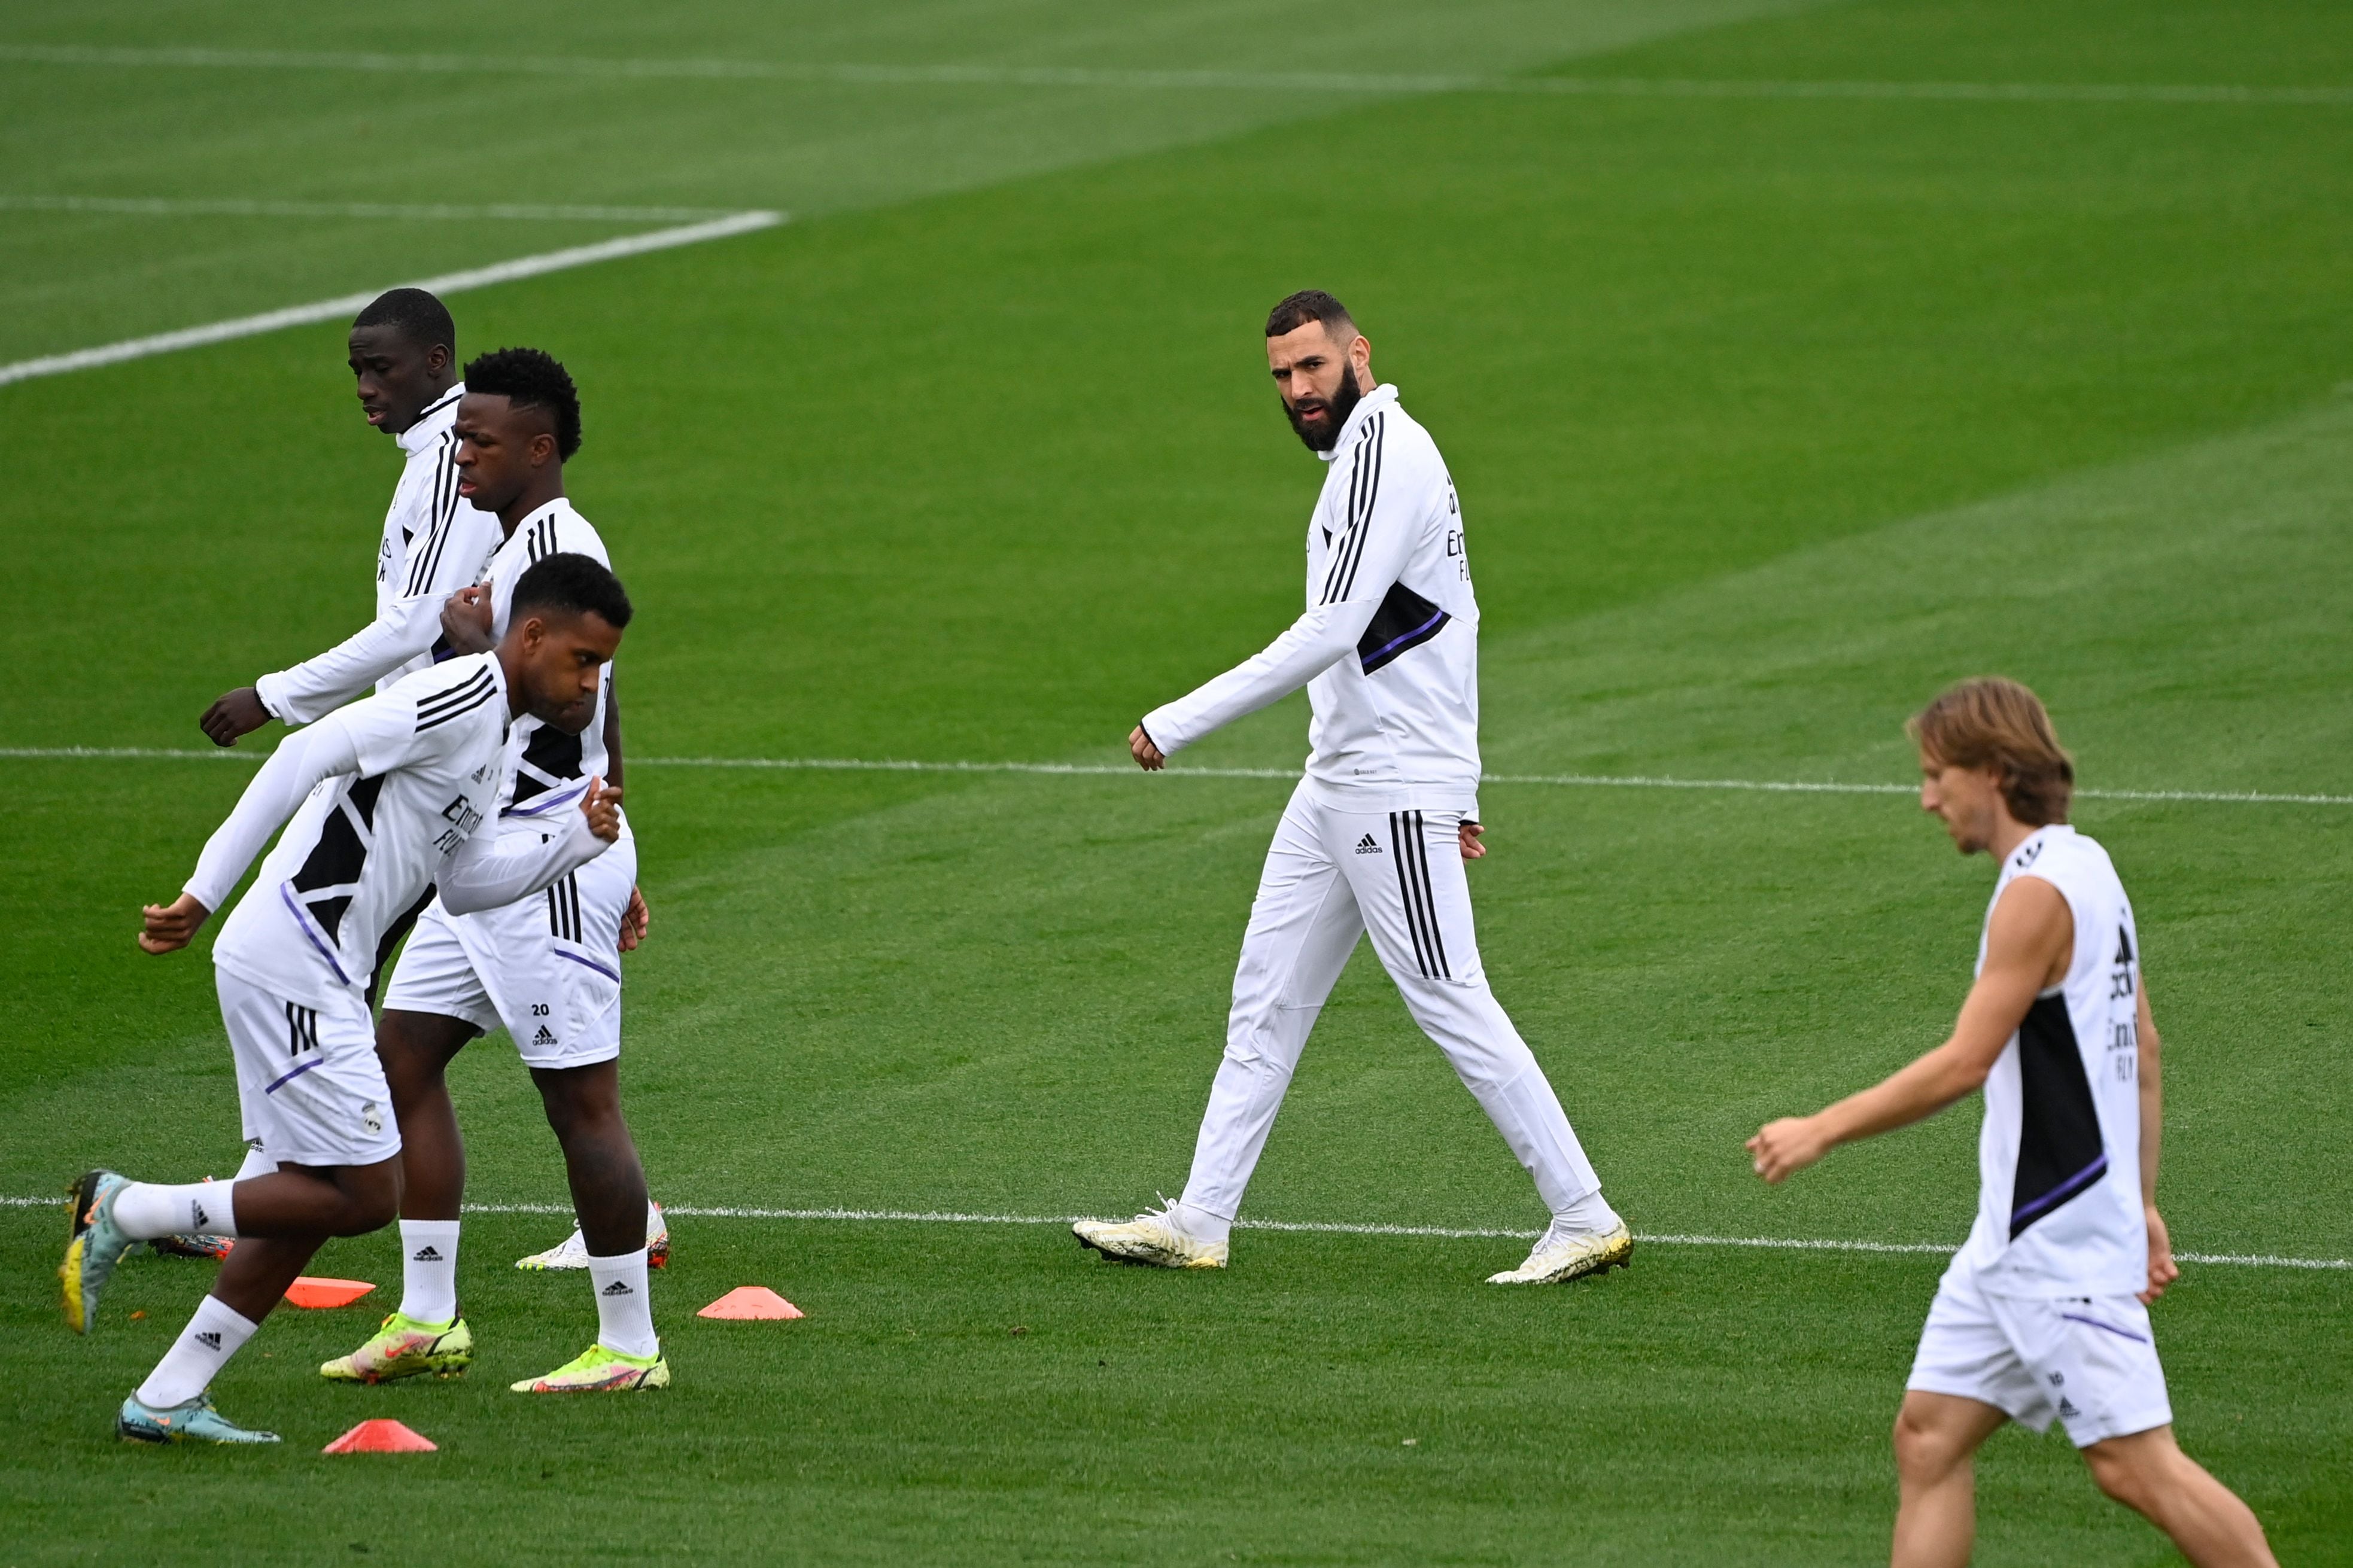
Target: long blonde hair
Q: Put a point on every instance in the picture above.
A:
(1994, 722)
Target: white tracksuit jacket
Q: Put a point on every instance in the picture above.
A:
(435, 543)
(1388, 645)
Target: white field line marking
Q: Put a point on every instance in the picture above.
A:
(1113, 770)
(1213, 80)
(349, 304)
(528, 212)
(1315, 1227)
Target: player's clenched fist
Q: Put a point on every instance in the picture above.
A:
(466, 620)
(233, 714)
(171, 927)
(1781, 1149)
(1147, 756)
(602, 807)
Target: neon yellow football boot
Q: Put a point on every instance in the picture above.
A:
(404, 1347)
(600, 1370)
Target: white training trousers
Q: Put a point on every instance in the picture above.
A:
(1331, 876)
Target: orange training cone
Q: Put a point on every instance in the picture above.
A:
(750, 1301)
(381, 1436)
(309, 1292)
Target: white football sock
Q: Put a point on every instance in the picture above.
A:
(1199, 1223)
(203, 1347)
(1589, 1216)
(428, 1269)
(145, 1210)
(257, 1163)
(625, 1314)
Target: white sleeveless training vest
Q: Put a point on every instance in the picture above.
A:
(2059, 1213)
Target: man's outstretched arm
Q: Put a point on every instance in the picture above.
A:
(2027, 944)
(292, 772)
(305, 692)
(1365, 561)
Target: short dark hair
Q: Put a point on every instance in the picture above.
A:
(1310, 305)
(531, 378)
(573, 583)
(420, 318)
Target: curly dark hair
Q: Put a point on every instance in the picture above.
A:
(578, 584)
(531, 378)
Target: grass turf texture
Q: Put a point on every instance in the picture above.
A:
(1768, 418)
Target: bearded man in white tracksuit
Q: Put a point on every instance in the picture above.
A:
(1376, 836)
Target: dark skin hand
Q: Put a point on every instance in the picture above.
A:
(234, 714)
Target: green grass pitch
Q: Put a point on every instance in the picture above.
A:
(1772, 411)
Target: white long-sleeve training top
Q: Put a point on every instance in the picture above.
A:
(435, 543)
(385, 796)
(1388, 645)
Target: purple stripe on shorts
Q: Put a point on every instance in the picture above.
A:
(2121, 1333)
(301, 917)
(298, 1073)
(588, 964)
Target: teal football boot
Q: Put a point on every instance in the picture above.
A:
(194, 1421)
(97, 1246)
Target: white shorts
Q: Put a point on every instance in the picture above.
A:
(2089, 1361)
(548, 967)
(307, 1077)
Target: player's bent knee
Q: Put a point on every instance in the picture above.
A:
(2131, 1473)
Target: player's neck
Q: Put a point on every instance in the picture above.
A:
(510, 668)
(2008, 834)
(547, 485)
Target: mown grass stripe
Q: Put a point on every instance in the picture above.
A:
(348, 304)
(1380, 83)
(238, 206)
(1113, 770)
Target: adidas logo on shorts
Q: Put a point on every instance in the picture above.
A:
(209, 1340)
(425, 1254)
(1365, 846)
(616, 1288)
(546, 1037)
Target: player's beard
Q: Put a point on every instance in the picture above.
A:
(1343, 402)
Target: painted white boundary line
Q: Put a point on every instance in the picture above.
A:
(1317, 1227)
(349, 304)
(853, 75)
(1113, 770)
(227, 206)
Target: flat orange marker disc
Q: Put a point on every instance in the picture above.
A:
(308, 1291)
(750, 1301)
(380, 1436)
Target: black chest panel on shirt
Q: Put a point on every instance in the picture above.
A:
(336, 861)
(2060, 1153)
(1404, 620)
(550, 758)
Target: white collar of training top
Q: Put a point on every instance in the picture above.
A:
(438, 416)
(1380, 398)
